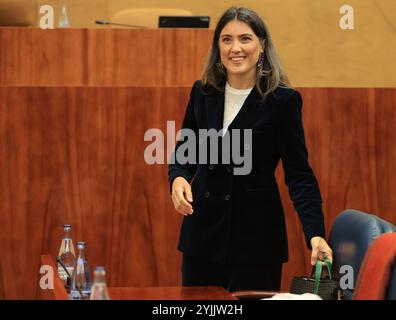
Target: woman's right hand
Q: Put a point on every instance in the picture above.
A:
(181, 196)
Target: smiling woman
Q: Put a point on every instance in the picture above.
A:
(234, 233)
(240, 49)
(243, 45)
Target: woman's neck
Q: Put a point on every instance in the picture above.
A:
(240, 83)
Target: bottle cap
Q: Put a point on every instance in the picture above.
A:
(100, 269)
(81, 244)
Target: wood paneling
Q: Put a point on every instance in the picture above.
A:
(106, 57)
(313, 48)
(350, 135)
(76, 155)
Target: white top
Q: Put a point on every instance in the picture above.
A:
(233, 102)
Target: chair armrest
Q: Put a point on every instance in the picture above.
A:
(253, 294)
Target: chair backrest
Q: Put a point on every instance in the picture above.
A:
(391, 293)
(385, 225)
(376, 279)
(146, 17)
(351, 235)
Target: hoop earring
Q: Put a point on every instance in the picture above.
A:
(260, 64)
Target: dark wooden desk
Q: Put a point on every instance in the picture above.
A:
(136, 293)
(170, 293)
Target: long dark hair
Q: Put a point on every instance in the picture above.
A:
(269, 75)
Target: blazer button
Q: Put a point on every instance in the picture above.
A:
(207, 194)
(211, 167)
(229, 169)
(227, 197)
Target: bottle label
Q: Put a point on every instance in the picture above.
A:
(76, 295)
(62, 273)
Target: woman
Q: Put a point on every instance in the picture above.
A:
(233, 232)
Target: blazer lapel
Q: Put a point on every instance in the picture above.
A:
(243, 120)
(215, 110)
(248, 113)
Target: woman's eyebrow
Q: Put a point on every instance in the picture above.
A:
(240, 35)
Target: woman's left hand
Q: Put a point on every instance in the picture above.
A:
(320, 250)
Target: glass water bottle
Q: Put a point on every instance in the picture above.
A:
(64, 21)
(99, 287)
(81, 279)
(67, 256)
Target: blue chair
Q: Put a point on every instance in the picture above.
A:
(375, 276)
(351, 235)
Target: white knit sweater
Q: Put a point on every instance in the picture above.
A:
(233, 102)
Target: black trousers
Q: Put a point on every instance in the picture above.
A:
(198, 272)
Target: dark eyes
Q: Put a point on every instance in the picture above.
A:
(242, 39)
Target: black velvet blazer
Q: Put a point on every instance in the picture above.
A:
(239, 218)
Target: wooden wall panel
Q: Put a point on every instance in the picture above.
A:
(42, 57)
(76, 155)
(350, 135)
(315, 51)
(129, 57)
(354, 129)
(102, 57)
